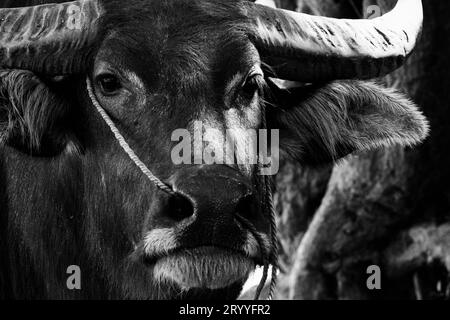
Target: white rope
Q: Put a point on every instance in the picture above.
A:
(125, 146)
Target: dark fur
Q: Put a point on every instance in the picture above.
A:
(32, 115)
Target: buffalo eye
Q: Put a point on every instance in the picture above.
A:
(109, 84)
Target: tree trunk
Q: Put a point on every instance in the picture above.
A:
(386, 208)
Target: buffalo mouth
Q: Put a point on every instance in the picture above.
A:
(205, 267)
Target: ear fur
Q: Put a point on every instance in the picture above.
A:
(319, 124)
(30, 114)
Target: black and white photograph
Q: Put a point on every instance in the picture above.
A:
(247, 152)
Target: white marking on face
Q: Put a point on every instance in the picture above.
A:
(243, 124)
(139, 84)
(103, 177)
(159, 241)
(135, 80)
(231, 134)
(251, 246)
(204, 267)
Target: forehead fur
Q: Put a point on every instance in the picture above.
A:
(185, 50)
(193, 35)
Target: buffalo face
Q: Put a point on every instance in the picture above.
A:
(160, 66)
(156, 76)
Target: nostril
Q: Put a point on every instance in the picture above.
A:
(180, 208)
(247, 206)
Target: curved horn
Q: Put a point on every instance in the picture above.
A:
(50, 39)
(309, 48)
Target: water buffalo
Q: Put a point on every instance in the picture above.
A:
(71, 196)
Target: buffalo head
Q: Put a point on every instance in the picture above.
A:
(74, 197)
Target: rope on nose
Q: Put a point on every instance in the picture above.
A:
(125, 146)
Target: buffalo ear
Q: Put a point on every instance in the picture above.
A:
(31, 114)
(322, 123)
